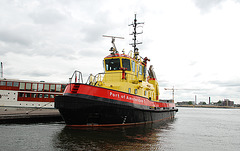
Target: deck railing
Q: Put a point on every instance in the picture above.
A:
(77, 75)
(98, 78)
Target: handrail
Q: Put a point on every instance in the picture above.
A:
(78, 77)
(92, 79)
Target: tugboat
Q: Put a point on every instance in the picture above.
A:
(123, 95)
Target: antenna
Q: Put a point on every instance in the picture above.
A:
(135, 43)
(113, 49)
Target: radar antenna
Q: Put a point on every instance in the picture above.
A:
(134, 33)
(113, 49)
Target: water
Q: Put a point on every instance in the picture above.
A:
(193, 129)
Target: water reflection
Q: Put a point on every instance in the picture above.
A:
(140, 137)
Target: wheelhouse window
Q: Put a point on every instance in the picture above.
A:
(126, 64)
(112, 64)
(133, 66)
(140, 69)
(144, 71)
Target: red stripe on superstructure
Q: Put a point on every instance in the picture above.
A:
(116, 95)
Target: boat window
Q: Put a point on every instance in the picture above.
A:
(112, 64)
(51, 95)
(39, 95)
(135, 92)
(63, 87)
(52, 87)
(45, 95)
(27, 95)
(129, 90)
(46, 87)
(133, 66)
(140, 69)
(21, 94)
(34, 95)
(15, 84)
(9, 83)
(22, 86)
(40, 87)
(3, 83)
(126, 64)
(58, 87)
(28, 86)
(34, 86)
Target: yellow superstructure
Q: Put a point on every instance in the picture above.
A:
(128, 74)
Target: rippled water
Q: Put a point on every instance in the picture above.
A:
(192, 129)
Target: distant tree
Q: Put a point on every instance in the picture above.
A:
(219, 102)
(204, 103)
(190, 103)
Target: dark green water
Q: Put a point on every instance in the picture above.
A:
(192, 129)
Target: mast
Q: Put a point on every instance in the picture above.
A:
(134, 33)
(1, 70)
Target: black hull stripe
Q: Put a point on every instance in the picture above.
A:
(120, 125)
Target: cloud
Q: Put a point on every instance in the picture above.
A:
(47, 16)
(9, 36)
(226, 83)
(207, 5)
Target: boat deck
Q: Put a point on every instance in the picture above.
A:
(28, 115)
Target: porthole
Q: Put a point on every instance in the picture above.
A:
(135, 91)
